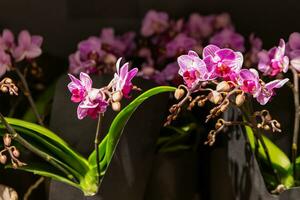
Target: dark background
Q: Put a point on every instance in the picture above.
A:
(63, 23)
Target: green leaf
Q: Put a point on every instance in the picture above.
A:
(280, 161)
(51, 143)
(118, 124)
(46, 170)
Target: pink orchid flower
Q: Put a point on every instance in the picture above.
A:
(193, 69)
(123, 77)
(5, 62)
(267, 90)
(7, 40)
(79, 87)
(226, 62)
(29, 47)
(94, 104)
(274, 61)
(154, 22)
(248, 79)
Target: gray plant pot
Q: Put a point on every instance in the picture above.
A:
(246, 178)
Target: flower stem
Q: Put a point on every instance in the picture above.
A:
(296, 122)
(27, 93)
(97, 142)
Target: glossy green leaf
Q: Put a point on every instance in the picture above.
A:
(280, 161)
(120, 121)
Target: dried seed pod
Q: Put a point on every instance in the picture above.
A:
(116, 106)
(117, 96)
(224, 108)
(215, 97)
(240, 99)
(6, 140)
(179, 93)
(3, 159)
(201, 103)
(16, 153)
(223, 87)
(218, 125)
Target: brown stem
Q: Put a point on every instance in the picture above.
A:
(27, 93)
(97, 142)
(33, 187)
(296, 122)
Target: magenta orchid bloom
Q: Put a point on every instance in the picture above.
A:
(154, 22)
(180, 44)
(92, 101)
(267, 90)
(7, 40)
(226, 62)
(293, 50)
(90, 49)
(274, 61)
(228, 38)
(248, 79)
(29, 47)
(193, 69)
(200, 26)
(79, 87)
(122, 78)
(94, 104)
(5, 62)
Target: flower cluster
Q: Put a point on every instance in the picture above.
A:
(220, 78)
(156, 47)
(97, 55)
(94, 101)
(27, 47)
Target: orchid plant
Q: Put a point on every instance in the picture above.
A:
(220, 79)
(56, 159)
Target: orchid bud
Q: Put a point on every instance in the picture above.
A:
(224, 107)
(4, 89)
(259, 126)
(218, 125)
(179, 93)
(14, 165)
(240, 99)
(116, 106)
(7, 81)
(267, 127)
(16, 153)
(110, 59)
(6, 140)
(223, 87)
(201, 103)
(117, 96)
(215, 97)
(3, 159)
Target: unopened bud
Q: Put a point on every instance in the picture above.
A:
(259, 125)
(277, 124)
(117, 96)
(218, 125)
(266, 127)
(215, 97)
(179, 93)
(223, 87)
(4, 89)
(224, 107)
(116, 106)
(201, 103)
(7, 81)
(3, 159)
(240, 99)
(14, 165)
(110, 59)
(7, 140)
(16, 153)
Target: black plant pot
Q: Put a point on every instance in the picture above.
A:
(130, 168)
(247, 180)
(174, 176)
